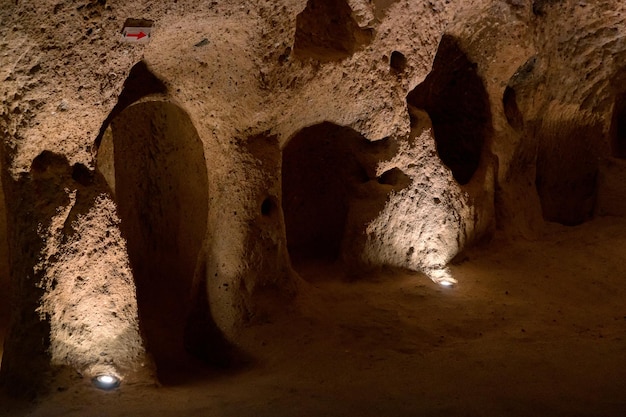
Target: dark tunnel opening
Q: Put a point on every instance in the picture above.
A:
(454, 96)
(161, 189)
(319, 173)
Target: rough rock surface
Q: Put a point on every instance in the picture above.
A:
(458, 117)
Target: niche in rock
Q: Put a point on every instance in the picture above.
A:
(567, 167)
(320, 172)
(161, 189)
(511, 110)
(326, 31)
(454, 96)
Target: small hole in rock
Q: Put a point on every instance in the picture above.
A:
(395, 177)
(267, 207)
(81, 174)
(397, 61)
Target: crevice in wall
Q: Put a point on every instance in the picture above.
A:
(161, 190)
(454, 96)
(326, 31)
(618, 127)
(320, 171)
(511, 110)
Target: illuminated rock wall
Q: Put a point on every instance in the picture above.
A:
(462, 117)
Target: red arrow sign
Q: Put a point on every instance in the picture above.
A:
(136, 35)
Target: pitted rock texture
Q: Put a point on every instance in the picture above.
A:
(243, 135)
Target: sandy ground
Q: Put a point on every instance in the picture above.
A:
(532, 329)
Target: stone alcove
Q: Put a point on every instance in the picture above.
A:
(153, 159)
(454, 96)
(566, 181)
(320, 172)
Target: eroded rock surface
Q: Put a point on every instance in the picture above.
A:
(378, 133)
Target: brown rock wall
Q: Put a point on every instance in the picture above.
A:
(196, 136)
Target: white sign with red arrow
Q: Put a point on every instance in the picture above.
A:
(137, 34)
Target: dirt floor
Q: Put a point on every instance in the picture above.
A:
(532, 329)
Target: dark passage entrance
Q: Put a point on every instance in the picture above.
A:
(454, 97)
(160, 183)
(320, 171)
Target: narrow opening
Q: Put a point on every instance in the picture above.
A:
(161, 192)
(326, 31)
(397, 62)
(618, 127)
(267, 207)
(454, 96)
(511, 111)
(319, 173)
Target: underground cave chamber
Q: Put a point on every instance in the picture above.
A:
(153, 160)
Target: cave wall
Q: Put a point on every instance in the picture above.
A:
(532, 92)
(5, 282)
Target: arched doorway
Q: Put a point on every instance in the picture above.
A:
(320, 171)
(154, 162)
